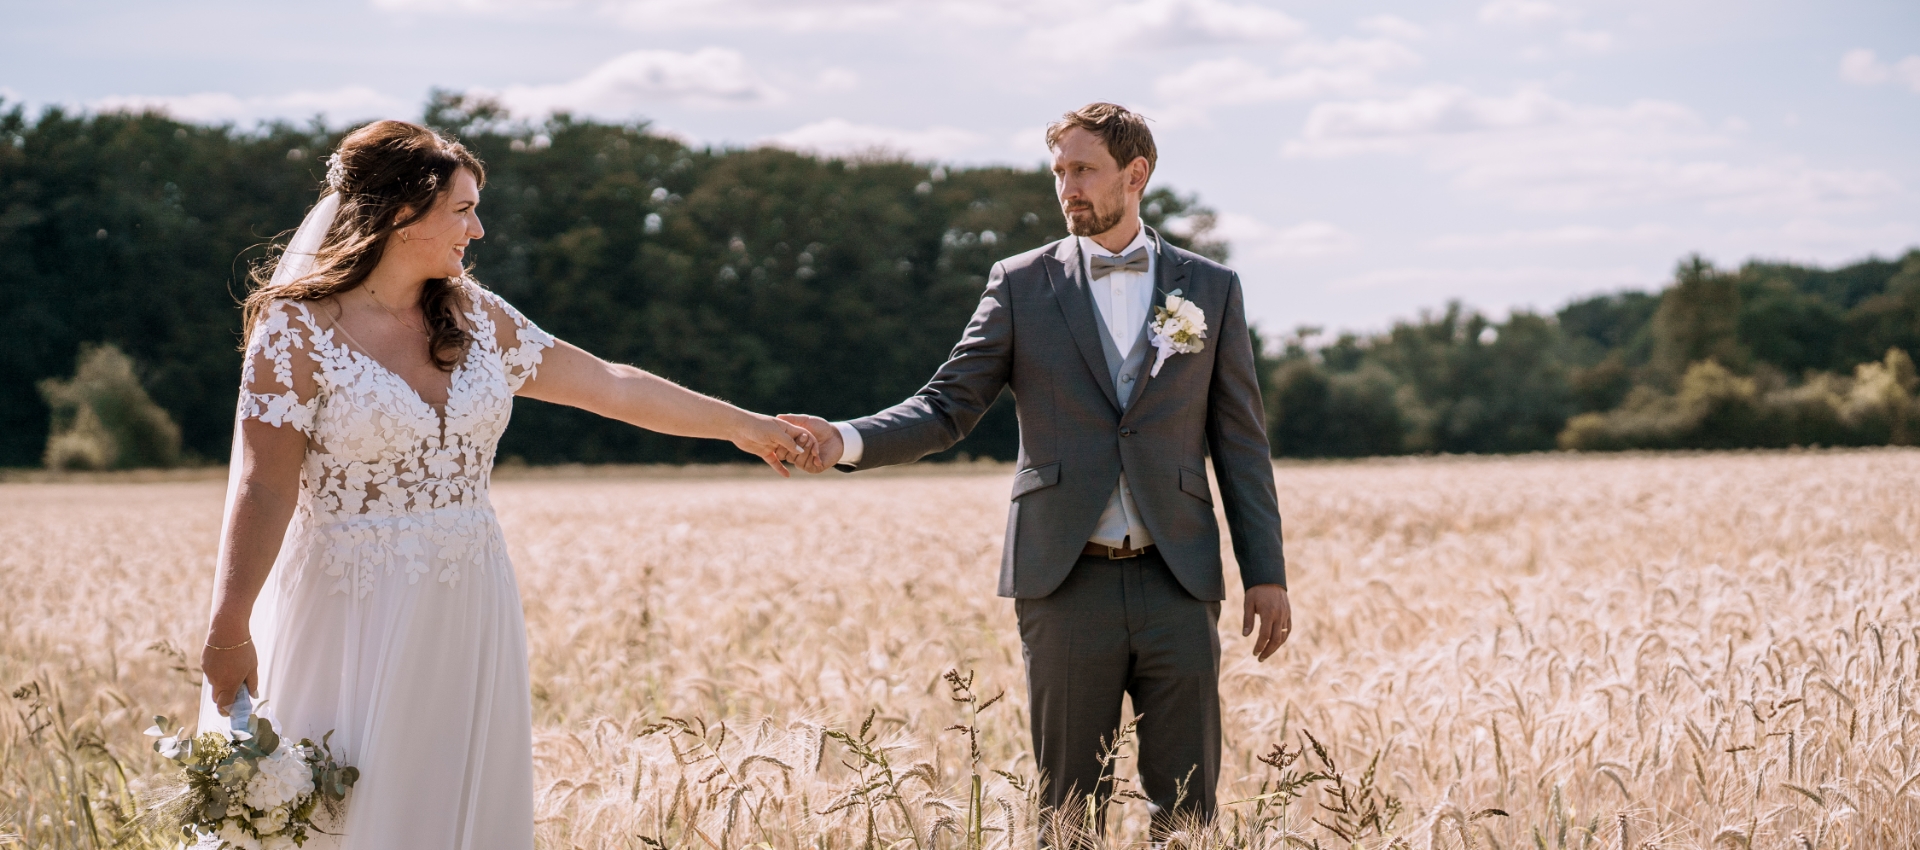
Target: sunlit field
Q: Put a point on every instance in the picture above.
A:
(1715, 650)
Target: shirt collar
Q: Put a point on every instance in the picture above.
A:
(1140, 240)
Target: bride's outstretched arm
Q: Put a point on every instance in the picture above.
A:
(569, 375)
(257, 514)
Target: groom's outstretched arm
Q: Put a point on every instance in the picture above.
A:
(945, 410)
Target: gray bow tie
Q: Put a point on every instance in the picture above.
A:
(1135, 261)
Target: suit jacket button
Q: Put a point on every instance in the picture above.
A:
(1126, 432)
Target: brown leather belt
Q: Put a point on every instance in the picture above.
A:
(1115, 553)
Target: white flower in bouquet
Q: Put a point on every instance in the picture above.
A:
(282, 778)
(273, 821)
(1178, 328)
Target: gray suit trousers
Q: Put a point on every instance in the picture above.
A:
(1117, 628)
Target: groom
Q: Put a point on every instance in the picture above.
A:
(1112, 552)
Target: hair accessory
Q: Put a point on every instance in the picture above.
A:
(336, 173)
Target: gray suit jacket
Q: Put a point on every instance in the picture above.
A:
(1035, 331)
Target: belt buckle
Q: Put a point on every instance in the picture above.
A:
(1113, 553)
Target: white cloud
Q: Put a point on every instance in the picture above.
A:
(1344, 67)
(838, 79)
(1821, 240)
(1251, 237)
(1364, 54)
(1538, 152)
(1522, 13)
(1030, 144)
(338, 106)
(627, 83)
(1863, 67)
(1193, 22)
(1800, 239)
(1588, 41)
(1438, 111)
(1077, 30)
(1234, 81)
(838, 137)
(472, 7)
(676, 14)
(1077, 27)
(1807, 231)
(1574, 235)
(1527, 284)
(1394, 27)
(790, 15)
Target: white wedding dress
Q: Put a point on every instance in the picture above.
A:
(392, 617)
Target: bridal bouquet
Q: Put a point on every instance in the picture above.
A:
(248, 789)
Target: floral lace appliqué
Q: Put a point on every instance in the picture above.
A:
(392, 487)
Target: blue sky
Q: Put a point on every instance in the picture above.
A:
(1367, 160)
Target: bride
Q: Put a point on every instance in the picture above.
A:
(364, 587)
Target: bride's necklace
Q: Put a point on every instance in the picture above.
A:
(396, 316)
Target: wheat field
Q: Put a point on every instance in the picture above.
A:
(1707, 650)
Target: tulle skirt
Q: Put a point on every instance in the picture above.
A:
(419, 673)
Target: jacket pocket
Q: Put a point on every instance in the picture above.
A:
(1039, 477)
(1195, 483)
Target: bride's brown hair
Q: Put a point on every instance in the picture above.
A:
(389, 175)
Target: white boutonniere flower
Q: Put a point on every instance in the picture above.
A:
(1178, 328)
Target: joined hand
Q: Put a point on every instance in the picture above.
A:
(829, 446)
(774, 440)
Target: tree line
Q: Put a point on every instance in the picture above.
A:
(1767, 355)
(835, 285)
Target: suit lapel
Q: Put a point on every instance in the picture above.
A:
(1169, 274)
(1070, 289)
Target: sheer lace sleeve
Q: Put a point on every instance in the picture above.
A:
(521, 343)
(277, 383)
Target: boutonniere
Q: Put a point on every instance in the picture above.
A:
(1178, 328)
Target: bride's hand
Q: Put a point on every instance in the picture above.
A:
(227, 668)
(774, 441)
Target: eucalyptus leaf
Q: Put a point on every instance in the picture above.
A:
(268, 740)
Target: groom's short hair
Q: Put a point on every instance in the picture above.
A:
(1122, 130)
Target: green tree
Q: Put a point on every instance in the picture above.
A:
(1698, 320)
(1890, 317)
(102, 417)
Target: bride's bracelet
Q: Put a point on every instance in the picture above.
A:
(229, 648)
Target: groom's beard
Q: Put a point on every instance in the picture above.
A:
(1088, 221)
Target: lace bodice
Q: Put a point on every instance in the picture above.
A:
(390, 480)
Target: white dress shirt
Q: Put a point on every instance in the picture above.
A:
(1124, 299)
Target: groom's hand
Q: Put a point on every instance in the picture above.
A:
(1268, 603)
(825, 436)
